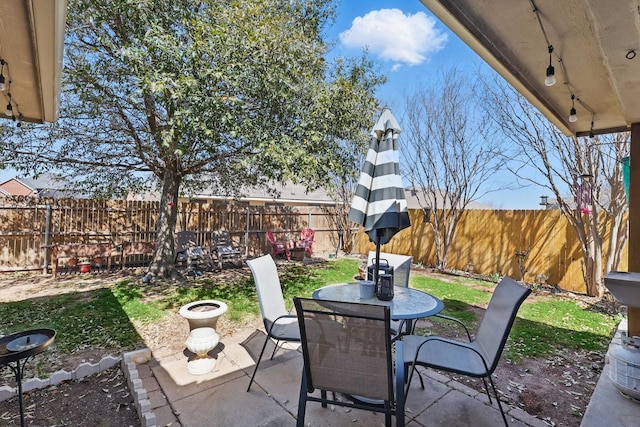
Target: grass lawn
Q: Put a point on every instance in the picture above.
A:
(104, 318)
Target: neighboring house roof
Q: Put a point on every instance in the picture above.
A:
(288, 193)
(415, 196)
(46, 185)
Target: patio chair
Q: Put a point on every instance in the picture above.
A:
(346, 349)
(306, 240)
(223, 248)
(279, 324)
(479, 357)
(190, 253)
(278, 247)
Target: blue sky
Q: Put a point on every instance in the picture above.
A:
(415, 49)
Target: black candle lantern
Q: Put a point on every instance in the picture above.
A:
(384, 287)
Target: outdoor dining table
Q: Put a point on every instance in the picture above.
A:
(407, 304)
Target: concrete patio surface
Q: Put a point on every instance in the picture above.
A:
(220, 397)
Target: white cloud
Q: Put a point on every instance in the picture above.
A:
(394, 36)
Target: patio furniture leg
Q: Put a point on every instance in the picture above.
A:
(275, 349)
(264, 346)
(302, 402)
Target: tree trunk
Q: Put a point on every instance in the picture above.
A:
(162, 264)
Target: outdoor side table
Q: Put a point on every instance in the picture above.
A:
(21, 346)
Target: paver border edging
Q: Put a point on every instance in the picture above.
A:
(128, 361)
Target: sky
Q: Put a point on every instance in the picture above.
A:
(416, 49)
(409, 45)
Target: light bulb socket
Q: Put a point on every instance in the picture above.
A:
(572, 115)
(551, 76)
(3, 86)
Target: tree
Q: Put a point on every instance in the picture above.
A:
(448, 154)
(341, 187)
(584, 174)
(189, 94)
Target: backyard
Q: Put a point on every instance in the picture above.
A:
(550, 366)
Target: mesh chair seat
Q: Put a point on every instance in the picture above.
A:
(285, 328)
(446, 354)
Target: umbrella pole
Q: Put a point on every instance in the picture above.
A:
(376, 270)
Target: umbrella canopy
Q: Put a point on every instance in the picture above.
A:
(379, 203)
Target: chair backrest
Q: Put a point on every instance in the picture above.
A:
(221, 238)
(270, 237)
(496, 323)
(307, 234)
(401, 266)
(185, 239)
(265, 276)
(346, 347)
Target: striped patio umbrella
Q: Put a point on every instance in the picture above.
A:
(379, 203)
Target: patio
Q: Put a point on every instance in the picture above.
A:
(189, 401)
(220, 398)
(167, 395)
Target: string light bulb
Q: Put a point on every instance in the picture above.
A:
(9, 107)
(3, 86)
(572, 112)
(550, 80)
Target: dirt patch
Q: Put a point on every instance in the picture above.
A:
(100, 400)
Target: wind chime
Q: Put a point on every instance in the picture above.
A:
(584, 194)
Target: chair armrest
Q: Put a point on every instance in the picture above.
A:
(454, 343)
(284, 316)
(453, 319)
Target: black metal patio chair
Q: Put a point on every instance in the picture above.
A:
(347, 349)
(479, 357)
(279, 324)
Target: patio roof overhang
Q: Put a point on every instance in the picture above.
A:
(31, 44)
(596, 55)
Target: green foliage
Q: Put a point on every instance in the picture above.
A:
(102, 318)
(188, 95)
(224, 93)
(544, 324)
(82, 319)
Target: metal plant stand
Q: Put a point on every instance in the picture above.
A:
(17, 348)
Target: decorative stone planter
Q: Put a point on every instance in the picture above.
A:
(203, 320)
(201, 341)
(203, 314)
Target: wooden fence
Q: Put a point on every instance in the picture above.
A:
(521, 244)
(28, 227)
